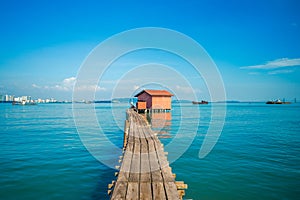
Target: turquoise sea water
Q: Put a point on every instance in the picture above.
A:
(256, 157)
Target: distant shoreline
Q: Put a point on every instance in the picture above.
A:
(109, 101)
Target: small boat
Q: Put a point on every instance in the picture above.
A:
(277, 102)
(200, 102)
(24, 103)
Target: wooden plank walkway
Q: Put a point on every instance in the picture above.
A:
(145, 172)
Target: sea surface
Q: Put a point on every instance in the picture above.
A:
(256, 157)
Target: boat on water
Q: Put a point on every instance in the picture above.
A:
(200, 102)
(23, 103)
(278, 101)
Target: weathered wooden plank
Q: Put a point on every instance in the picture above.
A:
(145, 191)
(145, 168)
(126, 130)
(134, 174)
(163, 161)
(145, 160)
(125, 168)
(171, 191)
(167, 174)
(158, 191)
(145, 163)
(156, 175)
(132, 191)
(126, 164)
(119, 191)
(154, 165)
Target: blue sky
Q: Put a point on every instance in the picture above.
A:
(255, 44)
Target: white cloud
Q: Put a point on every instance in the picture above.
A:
(136, 87)
(283, 71)
(90, 88)
(276, 64)
(69, 81)
(67, 85)
(36, 86)
(59, 87)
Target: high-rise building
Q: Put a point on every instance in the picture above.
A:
(8, 97)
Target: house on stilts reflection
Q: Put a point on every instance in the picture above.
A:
(154, 101)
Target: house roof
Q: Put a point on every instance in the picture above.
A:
(162, 93)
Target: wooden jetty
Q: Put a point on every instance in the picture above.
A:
(145, 172)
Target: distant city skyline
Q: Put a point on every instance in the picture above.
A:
(27, 98)
(255, 45)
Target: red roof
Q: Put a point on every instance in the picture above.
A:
(162, 93)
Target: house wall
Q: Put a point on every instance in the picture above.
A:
(141, 105)
(147, 98)
(161, 103)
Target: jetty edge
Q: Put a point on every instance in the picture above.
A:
(144, 172)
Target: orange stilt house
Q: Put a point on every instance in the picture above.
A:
(154, 100)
